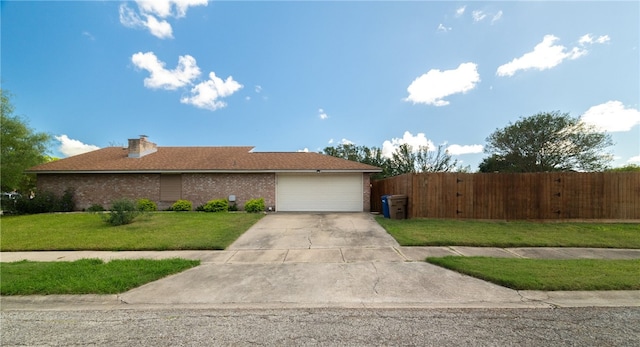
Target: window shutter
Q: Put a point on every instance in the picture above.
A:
(170, 187)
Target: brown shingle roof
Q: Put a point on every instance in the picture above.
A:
(194, 159)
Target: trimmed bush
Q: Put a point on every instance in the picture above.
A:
(254, 205)
(95, 208)
(122, 211)
(66, 202)
(218, 205)
(43, 202)
(146, 205)
(182, 205)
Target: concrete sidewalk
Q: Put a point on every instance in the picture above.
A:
(331, 255)
(382, 277)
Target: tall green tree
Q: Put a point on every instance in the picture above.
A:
(403, 160)
(549, 141)
(407, 160)
(21, 148)
(626, 168)
(362, 154)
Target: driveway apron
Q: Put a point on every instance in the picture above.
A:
(312, 231)
(321, 260)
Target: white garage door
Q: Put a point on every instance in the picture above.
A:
(319, 192)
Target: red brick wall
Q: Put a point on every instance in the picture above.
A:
(366, 189)
(101, 188)
(197, 188)
(200, 188)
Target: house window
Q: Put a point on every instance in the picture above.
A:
(170, 187)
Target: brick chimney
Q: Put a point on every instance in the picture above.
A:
(138, 148)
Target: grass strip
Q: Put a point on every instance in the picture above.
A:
(548, 275)
(442, 232)
(154, 231)
(85, 276)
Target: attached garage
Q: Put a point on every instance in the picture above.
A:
(319, 192)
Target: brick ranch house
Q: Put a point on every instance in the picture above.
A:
(288, 181)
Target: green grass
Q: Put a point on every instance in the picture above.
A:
(438, 232)
(155, 231)
(85, 276)
(548, 275)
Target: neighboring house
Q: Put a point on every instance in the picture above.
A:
(294, 181)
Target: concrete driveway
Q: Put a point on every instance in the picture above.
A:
(321, 260)
(314, 231)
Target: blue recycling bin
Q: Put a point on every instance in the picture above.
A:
(385, 206)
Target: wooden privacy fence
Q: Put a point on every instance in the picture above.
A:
(562, 195)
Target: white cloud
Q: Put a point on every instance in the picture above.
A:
(589, 39)
(158, 28)
(547, 55)
(207, 94)
(443, 28)
(71, 147)
(151, 10)
(416, 142)
(465, 149)
(304, 150)
(635, 159)
(182, 75)
(496, 17)
(612, 116)
(323, 115)
(164, 8)
(346, 142)
(435, 85)
(258, 89)
(330, 141)
(88, 35)
(478, 15)
(460, 11)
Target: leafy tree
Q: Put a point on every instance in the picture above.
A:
(362, 154)
(403, 160)
(550, 141)
(406, 160)
(22, 148)
(497, 163)
(626, 168)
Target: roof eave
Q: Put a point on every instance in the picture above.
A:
(201, 171)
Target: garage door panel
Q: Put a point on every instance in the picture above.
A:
(319, 192)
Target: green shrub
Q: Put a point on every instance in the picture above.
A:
(182, 205)
(146, 205)
(233, 207)
(43, 202)
(95, 208)
(122, 211)
(254, 205)
(66, 203)
(218, 205)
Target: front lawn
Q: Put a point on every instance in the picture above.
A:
(154, 231)
(548, 275)
(85, 276)
(440, 232)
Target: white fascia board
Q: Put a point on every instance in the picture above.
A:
(195, 171)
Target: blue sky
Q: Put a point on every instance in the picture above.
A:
(301, 76)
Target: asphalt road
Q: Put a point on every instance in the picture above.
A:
(300, 327)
